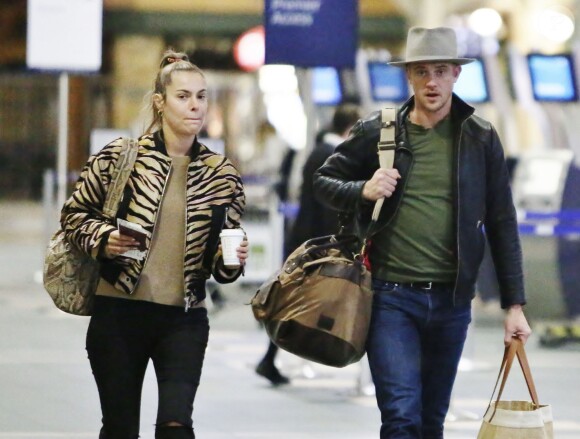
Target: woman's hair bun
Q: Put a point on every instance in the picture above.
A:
(171, 57)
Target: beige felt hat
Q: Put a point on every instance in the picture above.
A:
(431, 45)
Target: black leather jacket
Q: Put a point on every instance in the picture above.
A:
(482, 194)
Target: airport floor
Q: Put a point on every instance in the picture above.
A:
(47, 390)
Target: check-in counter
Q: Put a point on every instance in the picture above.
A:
(546, 190)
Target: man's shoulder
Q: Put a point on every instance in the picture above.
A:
(367, 126)
(479, 122)
(478, 127)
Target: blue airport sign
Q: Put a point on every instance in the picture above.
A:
(311, 33)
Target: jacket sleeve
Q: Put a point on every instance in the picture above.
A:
(338, 184)
(232, 221)
(501, 226)
(81, 218)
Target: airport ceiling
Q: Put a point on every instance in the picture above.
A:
(381, 20)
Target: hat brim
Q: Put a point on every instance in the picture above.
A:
(460, 61)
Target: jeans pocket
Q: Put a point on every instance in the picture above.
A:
(383, 287)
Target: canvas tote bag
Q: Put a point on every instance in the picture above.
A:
(516, 419)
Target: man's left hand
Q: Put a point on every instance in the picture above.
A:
(516, 325)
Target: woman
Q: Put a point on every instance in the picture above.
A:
(182, 194)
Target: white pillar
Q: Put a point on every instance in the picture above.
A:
(62, 156)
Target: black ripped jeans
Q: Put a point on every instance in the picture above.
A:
(123, 336)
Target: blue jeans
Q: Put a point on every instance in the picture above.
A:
(414, 347)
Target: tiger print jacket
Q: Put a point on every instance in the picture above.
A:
(214, 199)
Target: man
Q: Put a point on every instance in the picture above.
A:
(313, 218)
(449, 181)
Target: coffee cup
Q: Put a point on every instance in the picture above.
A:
(231, 240)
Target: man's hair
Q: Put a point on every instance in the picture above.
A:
(345, 116)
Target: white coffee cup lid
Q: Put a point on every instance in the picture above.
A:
(232, 232)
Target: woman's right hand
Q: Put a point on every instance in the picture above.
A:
(119, 244)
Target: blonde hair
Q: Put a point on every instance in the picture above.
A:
(171, 62)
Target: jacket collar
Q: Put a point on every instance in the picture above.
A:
(160, 145)
(460, 110)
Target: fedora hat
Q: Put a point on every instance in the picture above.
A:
(431, 45)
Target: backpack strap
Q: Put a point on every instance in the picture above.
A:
(386, 152)
(120, 176)
(386, 148)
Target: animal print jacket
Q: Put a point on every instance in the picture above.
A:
(214, 199)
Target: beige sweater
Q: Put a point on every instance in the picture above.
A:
(162, 278)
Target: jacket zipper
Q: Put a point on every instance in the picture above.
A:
(187, 298)
(458, 210)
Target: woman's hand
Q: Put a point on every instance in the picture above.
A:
(242, 251)
(119, 244)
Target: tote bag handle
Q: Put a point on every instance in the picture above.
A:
(515, 348)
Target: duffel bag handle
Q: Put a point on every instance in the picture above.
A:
(329, 241)
(321, 261)
(315, 245)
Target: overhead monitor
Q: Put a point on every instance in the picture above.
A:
(326, 86)
(388, 83)
(472, 85)
(553, 78)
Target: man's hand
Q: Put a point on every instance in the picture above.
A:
(516, 325)
(382, 184)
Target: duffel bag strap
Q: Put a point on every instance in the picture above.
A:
(320, 244)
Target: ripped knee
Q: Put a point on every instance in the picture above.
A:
(170, 424)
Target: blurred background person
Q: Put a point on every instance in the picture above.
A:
(314, 219)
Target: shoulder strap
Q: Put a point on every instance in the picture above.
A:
(386, 148)
(120, 176)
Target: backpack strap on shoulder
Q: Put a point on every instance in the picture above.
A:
(386, 148)
(120, 176)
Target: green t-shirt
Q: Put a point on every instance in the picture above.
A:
(418, 244)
